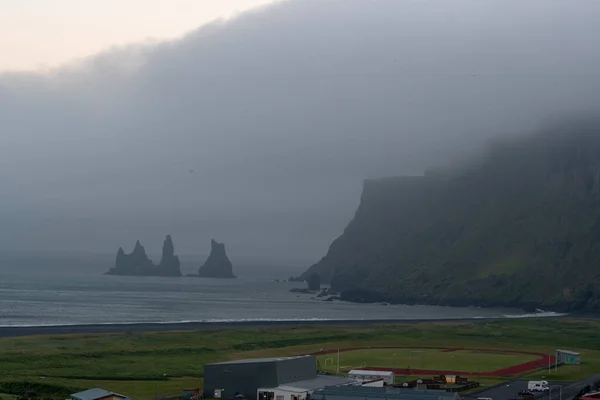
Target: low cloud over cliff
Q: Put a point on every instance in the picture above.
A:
(261, 130)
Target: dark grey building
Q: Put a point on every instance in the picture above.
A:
(244, 377)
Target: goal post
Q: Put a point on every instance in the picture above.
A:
(329, 361)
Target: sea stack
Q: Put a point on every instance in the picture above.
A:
(137, 262)
(217, 264)
(169, 263)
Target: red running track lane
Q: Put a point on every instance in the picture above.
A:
(518, 369)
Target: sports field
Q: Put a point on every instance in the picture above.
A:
(146, 365)
(408, 360)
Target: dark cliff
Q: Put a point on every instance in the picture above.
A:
(137, 262)
(217, 264)
(519, 227)
(314, 282)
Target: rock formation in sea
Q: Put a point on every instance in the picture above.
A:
(314, 285)
(137, 262)
(217, 264)
(169, 262)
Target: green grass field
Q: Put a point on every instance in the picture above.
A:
(145, 365)
(433, 359)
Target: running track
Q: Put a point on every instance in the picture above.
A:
(542, 362)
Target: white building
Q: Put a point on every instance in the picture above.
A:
(374, 383)
(286, 393)
(299, 390)
(366, 375)
(568, 357)
(302, 389)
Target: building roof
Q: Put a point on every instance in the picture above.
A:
(592, 395)
(319, 382)
(364, 393)
(290, 389)
(573, 353)
(370, 373)
(408, 395)
(93, 394)
(259, 360)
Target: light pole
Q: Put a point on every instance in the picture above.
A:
(155, 387)
(338, 361)
(560, 392)
(554, 387)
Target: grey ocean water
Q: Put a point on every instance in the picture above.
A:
(42, 290)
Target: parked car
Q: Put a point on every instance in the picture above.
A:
(526, 393)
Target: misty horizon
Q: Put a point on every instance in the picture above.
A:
(260, 131)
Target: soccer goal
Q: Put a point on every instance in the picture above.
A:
(329, 361)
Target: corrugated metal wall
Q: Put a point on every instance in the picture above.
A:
(297, 369)
(247, 377)
(244, 378)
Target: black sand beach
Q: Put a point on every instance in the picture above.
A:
(16, 331)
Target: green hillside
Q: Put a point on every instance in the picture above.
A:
(518, 227)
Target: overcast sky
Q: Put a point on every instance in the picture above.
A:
(42, 34)
(259, 131)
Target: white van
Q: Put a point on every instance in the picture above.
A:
(538, 386)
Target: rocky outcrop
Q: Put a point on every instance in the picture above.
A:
(314, 285)
(217, 264)
(301, 290)
(169, 262)
(137, 262)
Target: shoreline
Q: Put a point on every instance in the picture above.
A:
(21, 331)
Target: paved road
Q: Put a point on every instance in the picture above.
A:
(510, 390)
(572, 390)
